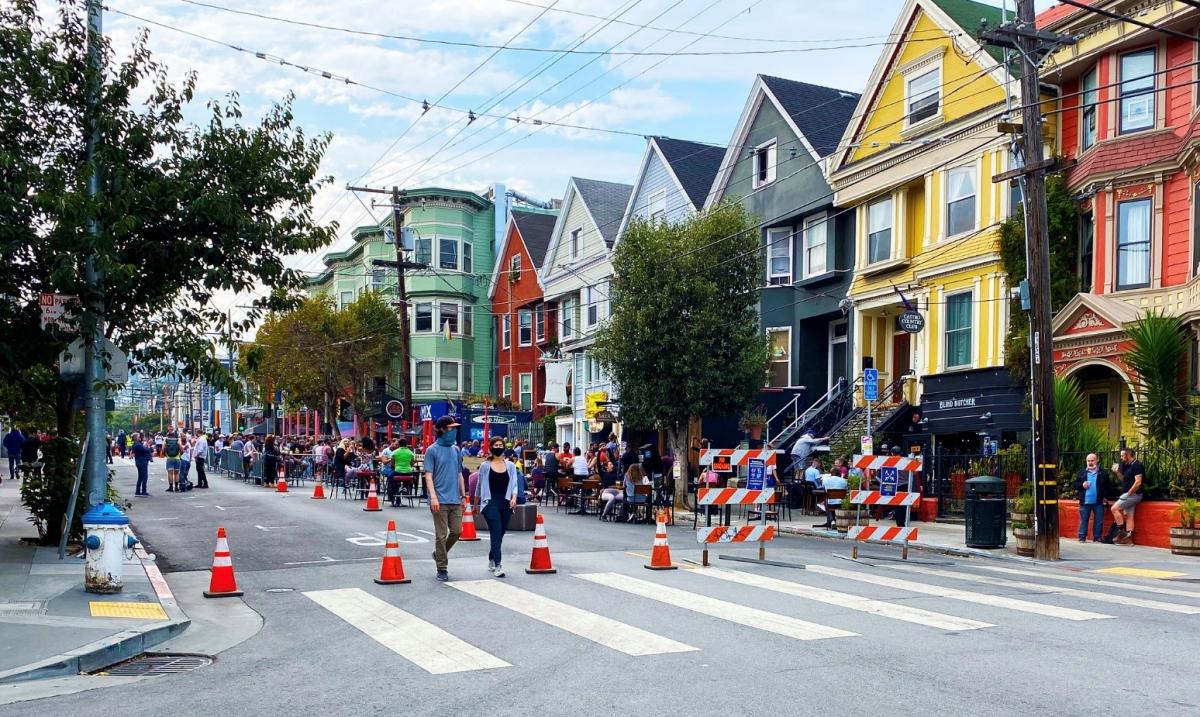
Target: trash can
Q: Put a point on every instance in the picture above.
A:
(985, 510)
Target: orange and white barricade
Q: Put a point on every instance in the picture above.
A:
(899, 499)
(760, 534)
(881, 532)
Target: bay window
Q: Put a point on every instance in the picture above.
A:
(1133, 244)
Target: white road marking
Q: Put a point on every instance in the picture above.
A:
(740, 614)
(366, 540)
(847, 600)
(597, 628)
(415, 538)
(1008, 603)
(428, 532)
(424, 644)
(1041, 587)
(267, 528)
(327, 559)
(1094, 581)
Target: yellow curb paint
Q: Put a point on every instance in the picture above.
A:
(140, 610)
(1140, 572)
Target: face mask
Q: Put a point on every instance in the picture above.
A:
(445, 439)
(497, 450)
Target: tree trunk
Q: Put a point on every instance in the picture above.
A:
(64, 409)
(679, 446)
(331, 417)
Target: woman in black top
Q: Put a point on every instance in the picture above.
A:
(270, 461)
(339, 462)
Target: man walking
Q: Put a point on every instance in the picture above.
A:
(199, 457)
(1092, 485)
(447, 493)
(13, 443)
(1132, 476)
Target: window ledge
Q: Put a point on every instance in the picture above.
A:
(817, 279)
(923, 126)
(886, 266)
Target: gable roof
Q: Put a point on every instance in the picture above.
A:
(536, 229)
(967, 14)
(605, 201)
(820, 113)
(694, 164)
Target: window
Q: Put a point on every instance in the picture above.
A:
(1137, 91)
(424, 250)
(923, 94)
(468, 260)
(526, 391)
(838, 350)
(780, 374)
(591, 298)
(424, 317)
(468, 378)
(879, 231)
(764, 164)
(960, 200)
(816, 245)
(447, 376)
(378, 279)
(567, 318)
(448, 316)
(424, 376)
(525, 327)
(1087, 118)
(539, 322)
(1133, 244)
(514, 269)
(506, 330)
(958, 330)
(468, 313)
(593, 375)
(346, 299)
(1097, 406)
(779, 256)
(575, 243)
(657, 208)
(448, 253)
(1086, 240)
(507, 392)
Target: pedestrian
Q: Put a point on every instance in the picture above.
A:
(1092, 486)
(498, 485)
(200, 458)
(249, 451)
(121, 442)
(31, 447)
(447, 492)
(172, 450)
(1133, 475)
(270, 460)
(802, 449)
(159, 442)
(108, 449)
(14, 441)
(141, 459)
(340, 458)
(185, 458)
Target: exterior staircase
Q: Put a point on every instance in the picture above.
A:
(825, 412)
(845, 435)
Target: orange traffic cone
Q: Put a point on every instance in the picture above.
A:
(392, 572)
(468, 525)
(222, 583)
(319, 490)
(372, 499)
(539, 562)
(281, 486)
(660, 555)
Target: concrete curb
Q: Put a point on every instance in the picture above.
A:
(952, 550)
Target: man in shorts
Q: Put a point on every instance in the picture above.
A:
(1133, 475)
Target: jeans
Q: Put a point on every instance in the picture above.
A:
(143, 471)
(14, 464)
(498, 513)
(201, 476)
(1097, 514)
(447, 527)
(184, 466)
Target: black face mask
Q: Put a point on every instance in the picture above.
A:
(497, 450)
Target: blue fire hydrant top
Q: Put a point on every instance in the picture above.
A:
(105, 514)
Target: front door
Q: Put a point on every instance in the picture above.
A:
(901, 343)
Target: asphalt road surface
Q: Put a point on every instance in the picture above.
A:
(605, 636)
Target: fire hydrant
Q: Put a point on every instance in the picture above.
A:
(108, 544)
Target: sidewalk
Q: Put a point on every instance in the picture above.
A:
(48, 624)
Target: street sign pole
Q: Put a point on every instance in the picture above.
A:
(92, 325)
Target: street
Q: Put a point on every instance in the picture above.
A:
(934, 636)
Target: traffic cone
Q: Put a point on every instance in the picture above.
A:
(281, 486)
(392, 572)
(372, 499)
(222, 583)
(539, 562)
(660, 555)
(468, 525)
(319, 490)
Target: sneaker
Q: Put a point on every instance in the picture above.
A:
(1123, 539)
(443, 576)
(1083, 540)
(491, 566)
(498, 571)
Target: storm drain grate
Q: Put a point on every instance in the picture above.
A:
(150, 665)
(22, 609)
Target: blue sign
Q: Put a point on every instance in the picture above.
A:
(889, 480)
(756, 474)
(871, 384)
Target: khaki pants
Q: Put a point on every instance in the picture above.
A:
(447, 527)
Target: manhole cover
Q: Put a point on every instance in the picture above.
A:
(148, 665)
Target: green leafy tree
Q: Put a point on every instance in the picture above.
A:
(185, 210)
(1160, 348)
(683, 340)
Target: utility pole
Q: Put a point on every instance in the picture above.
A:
(93, 320)
(1031, 44)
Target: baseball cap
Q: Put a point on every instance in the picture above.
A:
(447, 422)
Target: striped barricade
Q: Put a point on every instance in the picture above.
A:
(874, 463)
(874, 497)
(739, 456)
(734, 496)
(735, 534)
(881, 532)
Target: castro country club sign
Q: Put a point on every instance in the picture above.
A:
(911, 321)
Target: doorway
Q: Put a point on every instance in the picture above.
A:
(901, 362)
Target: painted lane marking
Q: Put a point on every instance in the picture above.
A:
(428, 532)
(740, 614)
(268, 528)
(847, 600)
(379, 538)
(421, 643)
(326, 559)
(597, 628)
(1007, 603)
(1093, 581)
(1141, 572)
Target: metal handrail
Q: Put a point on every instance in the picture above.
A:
(815, 408)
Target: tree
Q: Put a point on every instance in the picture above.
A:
(185, 210)
(1160, 348)
(683, 340)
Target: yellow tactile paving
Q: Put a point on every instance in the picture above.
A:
(1140, 572)
(141, 610)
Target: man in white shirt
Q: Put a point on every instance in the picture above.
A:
(802, 449)
(832, 481)
(199, 458)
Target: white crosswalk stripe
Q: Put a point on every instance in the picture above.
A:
(1195, 595)
(733, 612)
(422, 643)
(847, 600)
(597, 628)
(1008, 603)
(1059, 590)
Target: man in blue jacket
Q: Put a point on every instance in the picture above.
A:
(141, 458)
(13, 443)
(1093, 485)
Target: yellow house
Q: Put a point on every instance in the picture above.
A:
(915, 167)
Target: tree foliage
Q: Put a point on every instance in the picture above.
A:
(683, 340)
(1160, 348)
(185, 210)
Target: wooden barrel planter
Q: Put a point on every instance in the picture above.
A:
(843, 519)
(1025, 541)
(1185, 541)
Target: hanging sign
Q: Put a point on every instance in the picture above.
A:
(394, 408)
(911, 321)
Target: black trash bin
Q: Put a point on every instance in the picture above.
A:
(985, 511)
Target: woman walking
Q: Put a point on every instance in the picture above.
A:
(498, 496)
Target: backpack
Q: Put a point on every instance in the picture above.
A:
(172, 448)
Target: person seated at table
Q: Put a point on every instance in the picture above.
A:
(537, 480)
(607, 470)
(635, 476)
(832, 481)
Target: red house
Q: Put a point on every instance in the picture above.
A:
(524, 322)
(1129, 119)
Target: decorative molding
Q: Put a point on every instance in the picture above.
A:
(921, 62)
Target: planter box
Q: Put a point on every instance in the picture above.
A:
(1152, 521)
(1186, 541)
(926, 509)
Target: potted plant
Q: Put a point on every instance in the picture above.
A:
(1022, 507)
(1024, 535)
(1185, 539)
(1013, 466)
(958, 482)
(753, 420)
(844, 514)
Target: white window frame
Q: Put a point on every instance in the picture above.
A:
(378, 279)
(1119, 242)
(514, 268)
(417, 375)
(591, 307)
(467, 322)
(575, 242)
(506, 386)
(771, 360)
(417, 252)
(775, 244)
(912, 77)
(523, 390)
(342, 303)
(468, 377)
(974, 197)
(457, 328)
(539, 323)
(767, 152)
(1087, 137)
(566, 318)
(468, 261)
(890, 228)
(457, 377)
(656, 205)
(506, 331)
(835, 339)
(1149, 95)
(524, 327)
(416, 317)
(820, 221)
(946, 330)
(457, 251)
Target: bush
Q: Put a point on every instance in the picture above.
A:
(46, 495)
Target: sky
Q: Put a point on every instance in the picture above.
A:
(379, 138)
